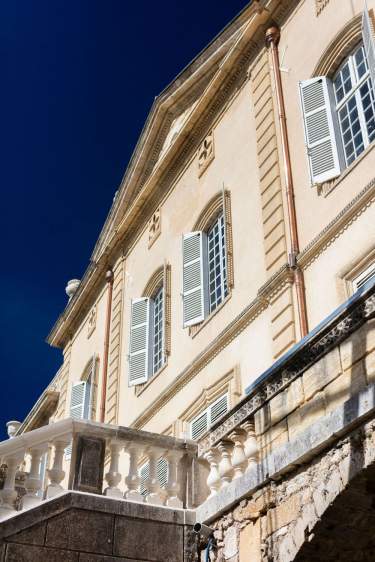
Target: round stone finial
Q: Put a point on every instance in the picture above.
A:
(71, 287)
(12, 428)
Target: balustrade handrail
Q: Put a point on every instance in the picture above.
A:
(70, 427)
(78, 461)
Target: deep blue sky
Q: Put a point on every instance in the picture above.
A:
(77, 80)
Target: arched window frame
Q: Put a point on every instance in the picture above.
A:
(156, 296)
(326, 142)
(219, 206)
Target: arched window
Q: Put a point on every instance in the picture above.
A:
(354, 97)
(150, 328)
(339, 107)
(207, 261)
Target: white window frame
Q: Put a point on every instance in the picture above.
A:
(357, 83)
(155, 368)
(220, 222)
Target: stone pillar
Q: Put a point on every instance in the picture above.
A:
(239, 460)
(213, 481)
(154, 495)
(33, 482)
(113, 476)
(132, 480)
(8, 495)
(225, 465)
(251, 444)
(173, 487)
(56, 474)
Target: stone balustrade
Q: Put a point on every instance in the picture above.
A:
(231, 457)
(104, 460)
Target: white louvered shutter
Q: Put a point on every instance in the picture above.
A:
(218, 409)
(321, 129)
(77, 406)
(199, 425)
(194, 278)
(369, 42)
(77, 402)
(139, 341)
(162, 471)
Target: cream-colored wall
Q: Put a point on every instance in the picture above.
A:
(239, 149)
(304, 38)
(179, 212)
(84, 347)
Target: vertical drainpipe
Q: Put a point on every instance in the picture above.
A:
(109, 279)
(272, 41)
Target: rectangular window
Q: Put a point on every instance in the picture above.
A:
(201, 423)
(217, 267)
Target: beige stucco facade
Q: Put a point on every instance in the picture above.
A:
(227, 93)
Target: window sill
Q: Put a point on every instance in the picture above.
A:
(140, 388)
(327, 187)
(194, 330)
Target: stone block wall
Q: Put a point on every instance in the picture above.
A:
(85, 528)
(327, 384)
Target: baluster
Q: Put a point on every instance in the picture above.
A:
(113, 476)
(251, 445)
(33, 482)
(154, 495)
(132, 479)
(239, 460)
(213, 481)
(173, 487)
(225, 465)
(56, 474)
(8, 494)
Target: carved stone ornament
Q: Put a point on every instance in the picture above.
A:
(205, 153)
(349, 321)
(154, 227)
(91, 322)
(320, 5)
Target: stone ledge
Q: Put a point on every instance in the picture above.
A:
(309, 443)
(89, 502)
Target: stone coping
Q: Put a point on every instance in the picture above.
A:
(82, 500)
(328, 334)
(67, 428)
(306, 445)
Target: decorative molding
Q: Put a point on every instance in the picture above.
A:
(229, 383)
(154, 283)
(206, 153)
(354, 209)
(320, 5)
(340, 46)
(226, 336)
(91, 321)
(293, 367)
(154, 227)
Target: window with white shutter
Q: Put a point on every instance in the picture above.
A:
(209, 417)
(195, 302)
(80, 402)
(139, 366)
(321, 129)
(368, 41)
